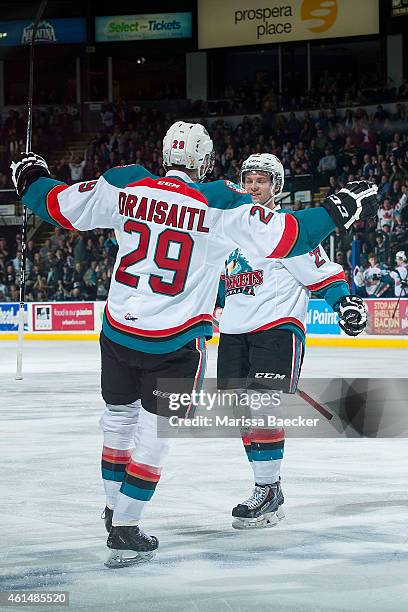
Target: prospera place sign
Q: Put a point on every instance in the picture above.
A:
(242, 22)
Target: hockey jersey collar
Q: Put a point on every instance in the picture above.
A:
(183, 176)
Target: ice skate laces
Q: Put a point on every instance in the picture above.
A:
(257, 498)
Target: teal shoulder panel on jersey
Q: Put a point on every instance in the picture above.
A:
(224, 194)
(120, 176)
(314, 225)
(35, 198)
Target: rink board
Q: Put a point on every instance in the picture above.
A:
(388, 323)
(324, 341)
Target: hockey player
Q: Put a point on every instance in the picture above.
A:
(174, 232)
(375, 280)
(400, 275)
(263, 330)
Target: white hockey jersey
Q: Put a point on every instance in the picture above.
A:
(374, 279)
(262, 294)
(173, 237)
(399, 275)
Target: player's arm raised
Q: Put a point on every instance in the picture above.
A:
(278, 235)
(82, 206)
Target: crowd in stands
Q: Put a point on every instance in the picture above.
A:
(51, 126)
(332, 147)
(330, 89)
(69, 266)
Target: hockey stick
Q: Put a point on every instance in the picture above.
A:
(19, 373)
(323, 411)
(398, 301)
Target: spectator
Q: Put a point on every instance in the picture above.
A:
(63, 171)
(77, 166)
(90, 279)
(327, 165)
(77, 276)
(386, 215)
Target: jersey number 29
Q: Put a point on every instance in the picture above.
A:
(179, 265)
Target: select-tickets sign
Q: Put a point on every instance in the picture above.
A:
(255, 22)
(9, 317)
(49, 31)
(321, 319)
(388, 316)
(63, 316)
(143, 27)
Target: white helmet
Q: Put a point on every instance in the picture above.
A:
(188, 145)
(401, 255)
(265, 162)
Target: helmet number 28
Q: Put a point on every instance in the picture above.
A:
(178, 144)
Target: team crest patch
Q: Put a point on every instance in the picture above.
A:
(235, 187)
(240, 277)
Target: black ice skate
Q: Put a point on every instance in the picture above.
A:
(107, 516)
(262, 509)
(130, 546)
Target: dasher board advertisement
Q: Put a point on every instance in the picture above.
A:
(63, 316)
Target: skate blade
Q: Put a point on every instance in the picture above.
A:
(266, 520)
(127, 558)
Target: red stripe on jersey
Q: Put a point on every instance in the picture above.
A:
(54, 209)
(288, 239)
(335, 278)
(281, 321)
(170, 184)
(201, 318)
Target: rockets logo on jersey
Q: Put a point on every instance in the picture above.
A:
(240, 277)
(235, 187)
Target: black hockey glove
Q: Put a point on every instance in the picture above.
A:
(353, 314)
(26, 169)
(357, 200)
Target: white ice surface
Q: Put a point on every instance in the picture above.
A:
(342, 547)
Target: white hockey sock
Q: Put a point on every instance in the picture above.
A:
(266, 454)
(264, 448)
(142, 472)
(119, 425)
